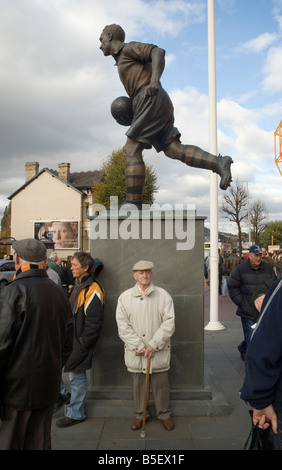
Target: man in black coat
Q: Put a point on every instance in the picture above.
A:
(246, 279)
(35, 337)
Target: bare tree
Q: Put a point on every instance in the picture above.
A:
(234, 207)
(258, 219)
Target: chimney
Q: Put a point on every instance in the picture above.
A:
(64, 171)
(31, 170)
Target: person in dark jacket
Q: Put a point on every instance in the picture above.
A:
(87, 304)
(262, 387)
(36, 336)
(245, 279)
(69, 279)
(54, 263)
(233, 260)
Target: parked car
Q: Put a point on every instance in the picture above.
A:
(7, 272)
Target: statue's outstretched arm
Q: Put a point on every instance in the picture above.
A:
(158, 65)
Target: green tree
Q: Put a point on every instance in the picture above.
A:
(113, 182)
(272, 234)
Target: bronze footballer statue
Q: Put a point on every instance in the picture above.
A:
(149, 112)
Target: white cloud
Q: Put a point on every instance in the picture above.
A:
(273, 70)
(259, 43)
(227, 5)
(169, 59)
(246, 96)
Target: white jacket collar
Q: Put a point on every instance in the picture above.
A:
(137, 292)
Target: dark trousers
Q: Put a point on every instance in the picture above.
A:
(161, 394)
(26, 430)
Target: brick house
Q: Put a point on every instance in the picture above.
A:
(53, 204)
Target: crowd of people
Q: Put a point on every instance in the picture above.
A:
(245, 279)
(45, 329)
(254, 285)
(228, 261)
(51, 317)
(50, 324)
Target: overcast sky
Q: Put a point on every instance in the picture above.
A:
(57, 87)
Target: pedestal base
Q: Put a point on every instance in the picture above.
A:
(179, 271)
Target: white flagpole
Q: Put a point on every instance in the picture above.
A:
(213, 324)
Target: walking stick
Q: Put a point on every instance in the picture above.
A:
(146, 396)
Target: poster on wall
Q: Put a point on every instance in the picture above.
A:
(64, 234)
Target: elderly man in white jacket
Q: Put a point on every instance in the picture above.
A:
(146, 322)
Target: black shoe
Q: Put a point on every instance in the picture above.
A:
(66, 421)
(224, 171)
(63, 400)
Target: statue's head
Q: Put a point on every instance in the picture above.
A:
(110, 38)
(115, 31)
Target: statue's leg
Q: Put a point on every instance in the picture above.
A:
(198, 158)
(134, 172)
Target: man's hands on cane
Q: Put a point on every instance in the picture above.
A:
(147, 351)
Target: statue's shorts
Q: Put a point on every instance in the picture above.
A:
(153, 121)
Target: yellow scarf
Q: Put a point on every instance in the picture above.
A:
(27, 267)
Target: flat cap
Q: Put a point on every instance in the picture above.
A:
(30, 250)
(142, 266)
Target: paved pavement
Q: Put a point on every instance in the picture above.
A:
(228, 432)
